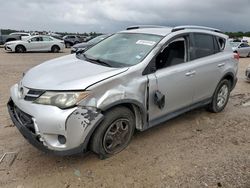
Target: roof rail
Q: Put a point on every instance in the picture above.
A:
(178, 28)
(143, 26)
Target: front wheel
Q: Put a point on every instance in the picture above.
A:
(55, 49)
(20, 49)
(114, 133)
(220, 97)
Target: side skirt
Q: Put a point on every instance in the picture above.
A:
(174, 114)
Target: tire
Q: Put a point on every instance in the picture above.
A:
(20, 49)
(67, 45)
(55, 49)
(220, 97)
(114, 133)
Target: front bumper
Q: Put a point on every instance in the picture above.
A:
(44, 125)
(8, 48)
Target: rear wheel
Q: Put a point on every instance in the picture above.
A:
(114, 133)
(220, 97)
(20, 49)
(55, 49)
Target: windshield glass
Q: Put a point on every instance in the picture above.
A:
(123, 49)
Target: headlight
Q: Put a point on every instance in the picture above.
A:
(61, 99)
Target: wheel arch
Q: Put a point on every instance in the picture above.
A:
(136, 107)
(25, 49)
(55, 45)
(10, 39)
(231, 77)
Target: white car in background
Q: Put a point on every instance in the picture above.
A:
(24, 36)
(35, 44)
(242, 48)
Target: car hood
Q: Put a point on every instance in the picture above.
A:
(67, 73)
(81, 45)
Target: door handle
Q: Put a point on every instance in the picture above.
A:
(221, 64)
(190, 73)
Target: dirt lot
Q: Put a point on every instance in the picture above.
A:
(198, 149)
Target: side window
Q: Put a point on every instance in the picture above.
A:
(47, 39)
(35, 39)
(203, 45)
(244, 45)
(173, 54)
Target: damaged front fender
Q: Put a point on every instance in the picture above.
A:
(81, 124)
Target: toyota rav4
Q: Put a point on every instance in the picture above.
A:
(133, 80)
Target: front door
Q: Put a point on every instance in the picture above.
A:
(172, 83)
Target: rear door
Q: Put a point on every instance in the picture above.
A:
(35, 44)
(209, 65)
(47, 43)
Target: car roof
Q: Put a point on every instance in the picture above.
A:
(163, 31)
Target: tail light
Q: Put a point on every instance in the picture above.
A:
(236, 56)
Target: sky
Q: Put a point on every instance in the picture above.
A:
(108, 16)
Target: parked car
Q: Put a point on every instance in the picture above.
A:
(8, 38)
(242, 48)
(71, 40)
(24, 36)
(35, 43)
(86, 45)
(134, 79)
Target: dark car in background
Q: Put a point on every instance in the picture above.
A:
(8, 38)
(71, 40)
(90, 43)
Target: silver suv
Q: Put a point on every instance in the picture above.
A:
(133, 80)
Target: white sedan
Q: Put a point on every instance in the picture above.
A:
(34, 44)
(242, 48)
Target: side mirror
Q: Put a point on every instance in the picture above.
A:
(79, 51)
(29, 41)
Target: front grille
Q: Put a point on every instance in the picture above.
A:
(33, 94)
(24, 119)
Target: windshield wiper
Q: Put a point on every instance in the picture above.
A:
(97, 60)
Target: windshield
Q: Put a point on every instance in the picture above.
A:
(123, 49)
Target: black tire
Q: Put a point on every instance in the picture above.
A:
(116, 130)
(67, 45)
(220, 97)
(20, 49)
(55, 49)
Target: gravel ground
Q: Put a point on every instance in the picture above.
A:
(197, 149)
